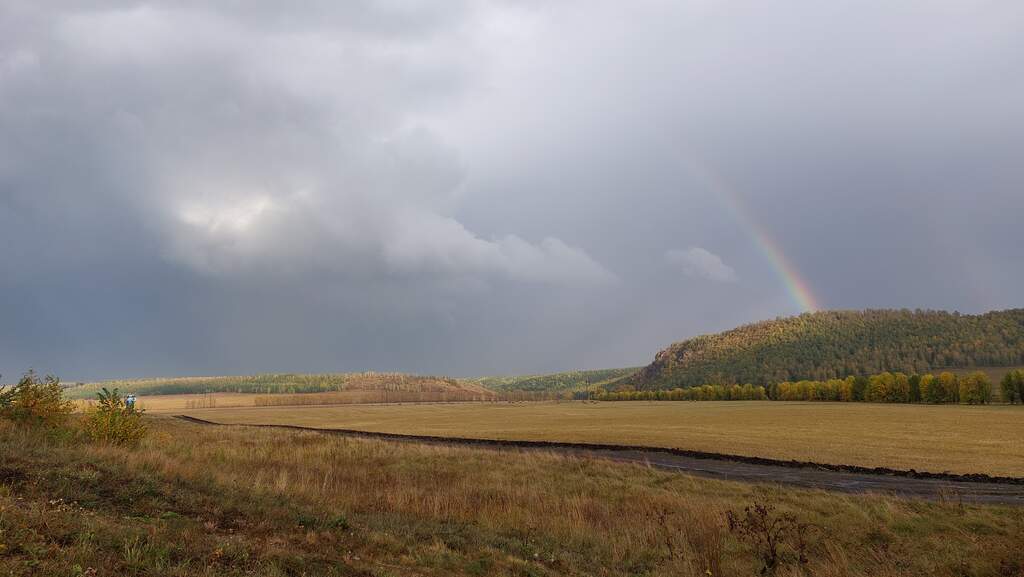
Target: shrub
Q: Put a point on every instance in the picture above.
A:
(35, 401)
(114, 422)
(773, 537)
(6, 398)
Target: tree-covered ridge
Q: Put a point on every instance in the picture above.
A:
(836, 344)
(565, 381)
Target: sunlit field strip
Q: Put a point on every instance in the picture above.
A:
(954, 438)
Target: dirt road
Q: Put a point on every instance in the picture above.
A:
(978, 488)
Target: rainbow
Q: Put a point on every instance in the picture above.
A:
(796, 286)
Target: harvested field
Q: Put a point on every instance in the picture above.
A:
(944, 438)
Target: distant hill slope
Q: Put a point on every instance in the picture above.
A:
(569, 380)
(831, 344)
(282, 383)
(272, 383)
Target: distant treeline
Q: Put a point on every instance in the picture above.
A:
(972, 389)
(371, 397)
(283, 383)
(385, 397)
(297, 383)
(701, 393)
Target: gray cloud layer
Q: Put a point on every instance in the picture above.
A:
(487, 187)
(698, 262)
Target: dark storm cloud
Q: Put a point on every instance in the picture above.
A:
(481, 187)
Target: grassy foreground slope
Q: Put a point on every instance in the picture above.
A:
(935, 438)
(194, 500)
(836, 344)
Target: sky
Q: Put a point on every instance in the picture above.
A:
(491, 187)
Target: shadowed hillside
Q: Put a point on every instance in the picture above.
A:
(834, 344)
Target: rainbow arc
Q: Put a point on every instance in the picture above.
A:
(796, 285)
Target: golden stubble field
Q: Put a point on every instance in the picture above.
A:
(954, 438)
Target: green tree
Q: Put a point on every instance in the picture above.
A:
(1012, 387)
(931, 390)
(860, 388)
(915, 388)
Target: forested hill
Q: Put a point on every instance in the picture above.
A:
(834, 344)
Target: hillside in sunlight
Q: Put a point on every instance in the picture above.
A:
(835, 344)
(287, 383)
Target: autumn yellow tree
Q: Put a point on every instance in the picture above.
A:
(975, 389)
(950, 386)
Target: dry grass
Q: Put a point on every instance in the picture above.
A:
(961, 439)
(196, 500)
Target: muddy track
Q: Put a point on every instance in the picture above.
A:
(976, 488)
